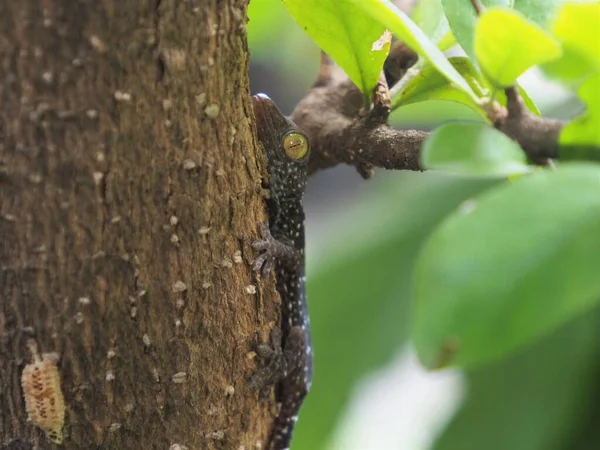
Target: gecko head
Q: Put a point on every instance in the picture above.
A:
(286, 145)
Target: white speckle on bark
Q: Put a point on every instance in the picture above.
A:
(179, 286)
(98, 176)
(237, 257)
(179, 377)
(188, 164)
(121, 96)
(212, 111)
(201, 99)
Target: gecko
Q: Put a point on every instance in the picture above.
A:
(282, 247)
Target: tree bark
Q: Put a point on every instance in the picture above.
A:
(130, 190)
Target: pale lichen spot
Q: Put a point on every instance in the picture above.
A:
(188, 164)
(212, 111)
(179, 378)
(121, 96)
(179, 286)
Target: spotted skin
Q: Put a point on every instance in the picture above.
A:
(282, 247)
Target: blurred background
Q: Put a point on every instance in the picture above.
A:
(369, 391)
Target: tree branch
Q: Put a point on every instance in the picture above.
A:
(340, 131)
(537, 136)
(331, 115)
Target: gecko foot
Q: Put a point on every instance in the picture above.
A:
(274, 371)
(264, 262)
(281, 361)
(272, 250)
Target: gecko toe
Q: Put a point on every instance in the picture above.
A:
(259, 262)
(261, 244)
(267, 266)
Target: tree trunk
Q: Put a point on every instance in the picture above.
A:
(130, 191)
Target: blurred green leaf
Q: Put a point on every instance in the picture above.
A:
(580, 138)
(429, 16)
(430, 84)
(431, 113)
(473, 149)
(351, 38)
(577, 27)
(267, 18)
(538, 11)
(507, 44)
(462, 19)
(358, 289)
(404, 28)
(534, 400)
(509, 267)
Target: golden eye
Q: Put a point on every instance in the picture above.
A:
(295, 145)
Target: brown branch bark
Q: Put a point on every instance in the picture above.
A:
(340, 131)
(130, 190)
(538, 136)
(330, 114)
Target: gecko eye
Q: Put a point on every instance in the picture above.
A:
(295, 145)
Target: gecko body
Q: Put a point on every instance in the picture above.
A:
(282, 248)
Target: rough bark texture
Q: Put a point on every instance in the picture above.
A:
(130, 190)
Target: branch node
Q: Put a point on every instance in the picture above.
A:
(380, 111)
(365, 170)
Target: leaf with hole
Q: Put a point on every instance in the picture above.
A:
(355, 41)
(404, 28)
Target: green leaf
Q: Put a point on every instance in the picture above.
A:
(462, 19)
(507, 44)
(359, 294)
(538, 11)
(473, 149)
(404, 28)
(580, 138)
(577, 27)
(430, 84)
(430, 17)
(509, 267)
(351, 38)
(534, 400)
